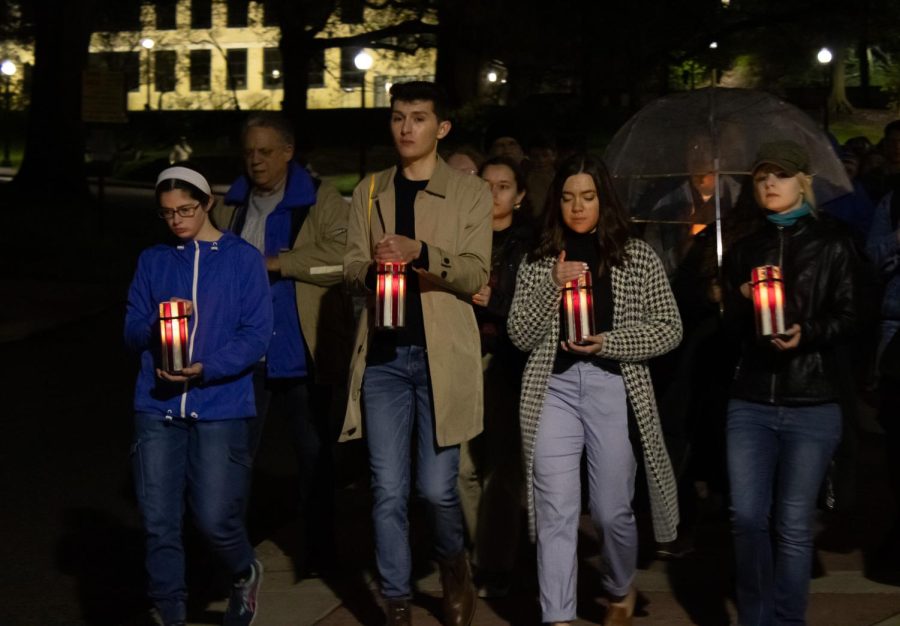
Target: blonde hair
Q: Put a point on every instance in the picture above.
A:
(803, 179)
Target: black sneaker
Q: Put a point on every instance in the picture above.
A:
(242, 603)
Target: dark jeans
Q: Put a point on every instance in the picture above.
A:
(206, 463)
(307, 407)
(777, 458)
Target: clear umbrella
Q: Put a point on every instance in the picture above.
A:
(714, 132)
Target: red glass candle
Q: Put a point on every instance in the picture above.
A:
(390, 295)
(578, 309)
(173, 334)
(768, 300)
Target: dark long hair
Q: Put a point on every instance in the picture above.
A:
(613, 229)
(518, 174)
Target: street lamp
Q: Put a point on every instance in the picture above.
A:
(7, 68)
(824, 57)
(363, 62)
(147, 44)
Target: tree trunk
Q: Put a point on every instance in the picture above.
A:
(865, 76)
(53, 163)
(837, 99)
(862, 53)
(459, 63)
(295, 55)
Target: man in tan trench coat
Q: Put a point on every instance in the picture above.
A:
(423, 380)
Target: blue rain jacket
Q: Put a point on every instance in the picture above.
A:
(229, 329)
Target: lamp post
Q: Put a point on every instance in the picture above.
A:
(824, 57)
(147, 44)
(275, 76)
(8, 69)
(363, 62)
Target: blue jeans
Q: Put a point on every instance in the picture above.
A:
(397, 400)
(777, 459)
(206, 464)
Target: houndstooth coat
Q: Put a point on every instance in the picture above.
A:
(645, 324)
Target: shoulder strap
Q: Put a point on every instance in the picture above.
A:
(371, 189)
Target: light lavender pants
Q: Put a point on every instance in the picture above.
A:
(585, 409)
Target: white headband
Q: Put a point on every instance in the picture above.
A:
(187, 175)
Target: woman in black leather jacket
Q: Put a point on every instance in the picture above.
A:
(490, 468)
(784, 421)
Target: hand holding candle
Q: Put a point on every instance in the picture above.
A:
(397, 249)
(592, 344)
(790, 339)
(566, 271)
(192, 371)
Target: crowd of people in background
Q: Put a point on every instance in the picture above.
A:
(502, 423)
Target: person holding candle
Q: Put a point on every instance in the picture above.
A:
(783, 420)
(490, 468)
(190, 439)
(422, 380)
(576, 396)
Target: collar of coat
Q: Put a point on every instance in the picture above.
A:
(437, 184)
(299, 189)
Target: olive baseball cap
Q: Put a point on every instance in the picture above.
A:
(786, 154)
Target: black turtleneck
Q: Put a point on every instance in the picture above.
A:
(584, 247)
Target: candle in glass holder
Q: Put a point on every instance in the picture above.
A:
(173, 331)
(390, 295)
(578, 308)
(767, 287)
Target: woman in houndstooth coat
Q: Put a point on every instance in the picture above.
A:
(576, 398)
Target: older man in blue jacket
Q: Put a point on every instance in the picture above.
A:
(274, 207)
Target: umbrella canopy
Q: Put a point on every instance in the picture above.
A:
(686, 133)
(711, 131)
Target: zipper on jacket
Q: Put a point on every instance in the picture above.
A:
(781, 266)
(194, 329)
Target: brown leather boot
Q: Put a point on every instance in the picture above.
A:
(398, 613)
(621, 613)
(459, 593)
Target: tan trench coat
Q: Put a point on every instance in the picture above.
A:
(315, 262)
(453, 217)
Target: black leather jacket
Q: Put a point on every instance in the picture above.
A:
(819, 265)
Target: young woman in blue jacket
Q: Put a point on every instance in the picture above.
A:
(190, 436)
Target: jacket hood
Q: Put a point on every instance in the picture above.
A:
(298, 191)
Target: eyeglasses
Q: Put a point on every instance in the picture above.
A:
(182, 211)
(780, 175)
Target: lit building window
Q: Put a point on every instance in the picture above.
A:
(270, 13)
(165, 14)
(237, 13)
(164, 70)
(272, 70)
(317, 68)
(200, 70)
(351, 11)
(237, 68)
(351, 77)
(201, 13)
